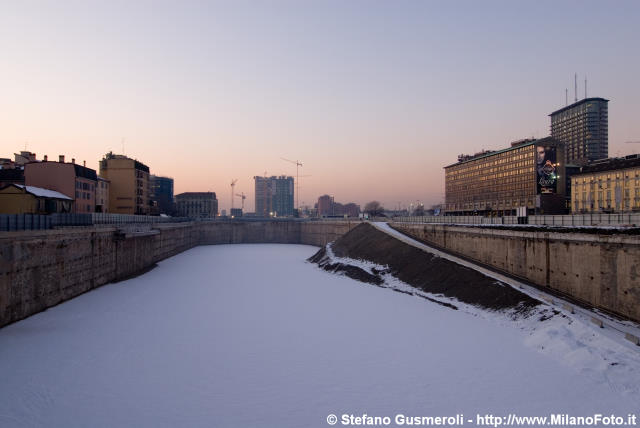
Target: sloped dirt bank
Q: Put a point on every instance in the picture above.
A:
(421, 270)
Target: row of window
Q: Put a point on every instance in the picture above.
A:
(489, 204)
(617, 175)
(501, 181)
(80, 185)
(83, 195)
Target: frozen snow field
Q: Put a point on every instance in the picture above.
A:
(254, 336)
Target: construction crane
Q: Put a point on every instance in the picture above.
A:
(233, 186)
(242, 197)
(298, 164)
(632, 142)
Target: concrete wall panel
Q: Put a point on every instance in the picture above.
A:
(600, 270)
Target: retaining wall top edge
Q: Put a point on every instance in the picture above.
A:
(30, 234)
(538, 234)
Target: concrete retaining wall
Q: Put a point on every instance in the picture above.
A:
(39, 269)
(600, 270)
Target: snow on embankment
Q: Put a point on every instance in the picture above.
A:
(369, 255)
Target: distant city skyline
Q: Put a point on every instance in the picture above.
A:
(374, 98)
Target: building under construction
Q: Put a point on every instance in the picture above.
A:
(274, 196)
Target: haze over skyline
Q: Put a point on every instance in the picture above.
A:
(373, 97)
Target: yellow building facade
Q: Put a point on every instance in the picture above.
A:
(21, 199)
(128, 182)
(609, 186)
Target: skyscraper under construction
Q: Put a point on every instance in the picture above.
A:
(274, 196)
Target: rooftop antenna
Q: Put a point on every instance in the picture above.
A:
(566, 96)
(585, 86)
(575, 81)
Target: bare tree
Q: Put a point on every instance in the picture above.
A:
(374, 209)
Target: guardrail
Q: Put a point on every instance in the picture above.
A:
(13, 222)
(587, 220)
(108, 218)
(458, 219)
(24, 222)
(632, 219)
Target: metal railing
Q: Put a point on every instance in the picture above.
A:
(14, 222)
(11, 222)
(108, 218)
(631, 219)
(458, 219)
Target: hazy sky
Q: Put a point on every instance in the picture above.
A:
(373, 97)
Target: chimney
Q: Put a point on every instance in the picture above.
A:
(61, 158)
(45, 158)
(84, 164)
(73, 160)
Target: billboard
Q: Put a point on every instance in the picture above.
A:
(546, 174)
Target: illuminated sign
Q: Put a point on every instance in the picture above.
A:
(546, 174)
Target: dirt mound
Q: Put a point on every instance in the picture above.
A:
(354, 272)
(425, 271)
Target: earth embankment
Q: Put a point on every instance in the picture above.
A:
(423, 270)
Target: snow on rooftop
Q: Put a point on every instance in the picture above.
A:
(43, 193)
(252, 335)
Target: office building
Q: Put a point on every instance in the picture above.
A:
(328, 207)
(583, 128)
(351, 210)
(128, 184)
(325, 206)
(526, 177)
(274, 196)
(609, 186)
(161, 192)
(197, 204)
(75, 181)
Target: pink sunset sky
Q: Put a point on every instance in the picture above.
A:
(374, 98)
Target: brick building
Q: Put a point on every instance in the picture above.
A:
(75, 181)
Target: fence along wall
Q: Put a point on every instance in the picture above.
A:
(600, 270)
(546, 220)
(39, 269)
(11, 222)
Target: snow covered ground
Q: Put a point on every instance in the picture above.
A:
(252, 335)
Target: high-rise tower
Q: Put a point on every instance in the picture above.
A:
(583, 127)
